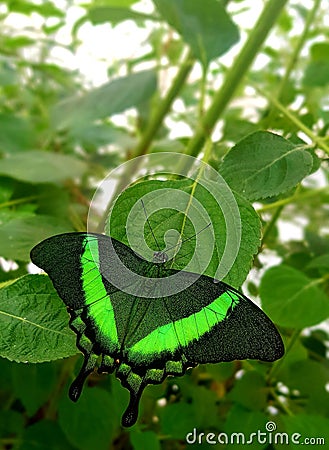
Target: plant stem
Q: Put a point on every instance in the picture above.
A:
(293, 59)
(293, 198)
(236, 73)
(280, 403)
(18, 201)
(163, 108)
(271, 224)
(317, 140)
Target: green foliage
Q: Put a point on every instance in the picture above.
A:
(33, 321)
(60, 136)
(172, 219)
(264, 165)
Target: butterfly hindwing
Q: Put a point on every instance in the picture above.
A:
(146, 338)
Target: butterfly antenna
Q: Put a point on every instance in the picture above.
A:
(191, 237)
(148, 222)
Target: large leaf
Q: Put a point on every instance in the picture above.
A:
(163, 217)
(205, 26)
(292, 299)
(111, 98)
(265, 164)
(41, 167)
(34, 322)
(19, 235)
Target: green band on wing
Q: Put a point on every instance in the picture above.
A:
(99, 304)
(178, 334)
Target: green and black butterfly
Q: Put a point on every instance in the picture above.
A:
(144, 338)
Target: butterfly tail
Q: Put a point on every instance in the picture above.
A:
(77, 385)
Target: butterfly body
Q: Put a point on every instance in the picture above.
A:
(144, 320)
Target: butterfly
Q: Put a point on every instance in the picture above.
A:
(156, 322)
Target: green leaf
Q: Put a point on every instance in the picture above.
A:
(320, 262)
(6, 189)
(292, 299)
(317, 71)
(308, 426)
(236, 129)
(178, 419)
(46, 8)
(89, 423)
(115, 14)
(145, 440)
(205, 26)
(111, 98)
(19, 235)
(167, 218)
(44, 435)
(11, 423)
(320, 51)
(33, 384)
(250, 391)
(16, 134)
(34, 322)
(240, 425)
(42, 167)
(265, 164)
(316, 74)
(309, 378)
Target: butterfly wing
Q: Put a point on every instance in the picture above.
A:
(81, 266)
(208, 322)
(145, 339)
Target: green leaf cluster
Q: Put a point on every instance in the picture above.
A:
(256, 110)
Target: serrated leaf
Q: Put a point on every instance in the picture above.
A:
(265, 164)
(111, 98)
(34, 322)
(19, 234)
(292, 299)
(42, 167)
(167, 218)
(205, 26)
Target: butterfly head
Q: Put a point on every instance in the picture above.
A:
(160, 257)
